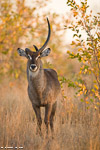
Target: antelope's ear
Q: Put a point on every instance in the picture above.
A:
(46, 52)
(21, 52)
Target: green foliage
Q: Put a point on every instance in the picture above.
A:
(86, 50)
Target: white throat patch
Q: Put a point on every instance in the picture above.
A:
(33, 74)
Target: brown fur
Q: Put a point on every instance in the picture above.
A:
(43, 90)
(43, 85)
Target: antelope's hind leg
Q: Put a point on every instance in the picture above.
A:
(38, 116)
(54, 106)
(48, 109)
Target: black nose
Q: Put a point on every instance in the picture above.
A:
(33, 66)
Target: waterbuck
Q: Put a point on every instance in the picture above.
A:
(43, 85)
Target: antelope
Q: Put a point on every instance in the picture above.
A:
(43, 85)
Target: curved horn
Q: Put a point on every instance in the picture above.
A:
(35, 48)
(48, 37)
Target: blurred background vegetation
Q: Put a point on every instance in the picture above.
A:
(23, 26)
(77, 64)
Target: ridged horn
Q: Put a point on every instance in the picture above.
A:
(48, 37)
(35, 48)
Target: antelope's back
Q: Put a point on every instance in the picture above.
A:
(52, 81)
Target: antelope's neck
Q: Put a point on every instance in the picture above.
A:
(36, 79)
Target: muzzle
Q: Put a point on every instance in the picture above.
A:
(33, 67)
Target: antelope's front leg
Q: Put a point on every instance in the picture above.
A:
(38, 116)
(48, 109)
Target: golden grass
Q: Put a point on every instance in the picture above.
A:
(76, 128)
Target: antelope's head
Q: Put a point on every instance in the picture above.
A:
(34, 57)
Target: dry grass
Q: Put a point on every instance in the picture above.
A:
(76, 128)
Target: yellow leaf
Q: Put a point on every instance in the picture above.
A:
(85, 91)
(80, 49)
(16, 75)
(76, 82)
(99, 54)
(93, 90)
(94, 81)
(80, 72)
(84, 87)
(96, 86)
(84, 62)
(95, 107)
(85, 71)
(80, 93)
(68, 52)
(75, 13)
(87, 102)
(89, 72)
